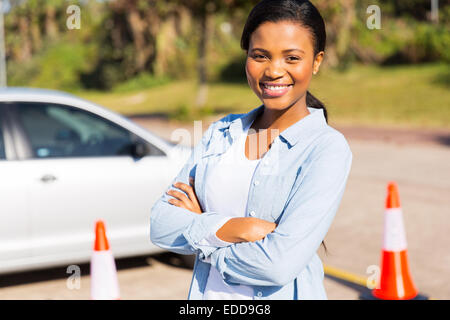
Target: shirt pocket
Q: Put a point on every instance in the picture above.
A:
(281, 189)
(284, 186)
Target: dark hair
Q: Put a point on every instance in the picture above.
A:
(299, 11)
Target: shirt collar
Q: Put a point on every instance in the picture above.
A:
(300, 130)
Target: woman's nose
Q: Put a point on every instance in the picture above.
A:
(274, 70)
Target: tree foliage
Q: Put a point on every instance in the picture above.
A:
(121, 40)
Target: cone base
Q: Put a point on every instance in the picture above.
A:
(396, 282)
(379, 295)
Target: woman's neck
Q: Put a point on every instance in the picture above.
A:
(280, 119)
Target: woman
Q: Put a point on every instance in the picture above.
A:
(259, 193)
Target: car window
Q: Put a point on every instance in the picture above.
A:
(2, 142)
(61, 131)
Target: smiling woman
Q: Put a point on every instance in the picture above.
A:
(261, 190)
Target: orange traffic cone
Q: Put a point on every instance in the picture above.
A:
(104, 283)
(395, 281)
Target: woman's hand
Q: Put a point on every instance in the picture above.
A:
(189, 202)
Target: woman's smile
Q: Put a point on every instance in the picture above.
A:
(274, 90)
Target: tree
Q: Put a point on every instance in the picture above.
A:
(202, 11)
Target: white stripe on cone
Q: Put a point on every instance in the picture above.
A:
(104, 283)
(394, 235)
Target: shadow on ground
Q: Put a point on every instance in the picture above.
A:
(444, 139)
(364, 293)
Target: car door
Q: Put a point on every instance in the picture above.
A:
(15, 242)
(81, 169)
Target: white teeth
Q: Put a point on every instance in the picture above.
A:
(276, 87)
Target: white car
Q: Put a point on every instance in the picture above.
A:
(66, 162)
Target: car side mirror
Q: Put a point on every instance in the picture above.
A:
(139, 149)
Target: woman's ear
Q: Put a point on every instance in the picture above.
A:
(317, 61)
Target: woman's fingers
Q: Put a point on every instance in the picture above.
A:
(179, 195)
(178, 203)
(194, 198)
(181, 200)
(188, 189)
(190, 201)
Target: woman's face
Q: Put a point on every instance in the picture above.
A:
(280, 64)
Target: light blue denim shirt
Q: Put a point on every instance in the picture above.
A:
(298, 184)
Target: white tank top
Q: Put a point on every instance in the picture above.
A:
(227, 185)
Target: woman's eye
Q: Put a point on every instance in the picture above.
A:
(259, 56)
(293, 58)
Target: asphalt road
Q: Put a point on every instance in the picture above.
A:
(421, 168)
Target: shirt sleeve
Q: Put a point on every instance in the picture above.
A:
(280, 257)
(213, 240)
(180, 230)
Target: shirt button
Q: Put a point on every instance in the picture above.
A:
(256, 182)
(259, 294)
(252, 213)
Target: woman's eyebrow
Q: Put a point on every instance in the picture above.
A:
(259, 49)
(289, 50)
(284, 51)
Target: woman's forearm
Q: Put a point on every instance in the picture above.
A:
(245, 229)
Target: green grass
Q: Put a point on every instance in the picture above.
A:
(175, 96)
(407, 96)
